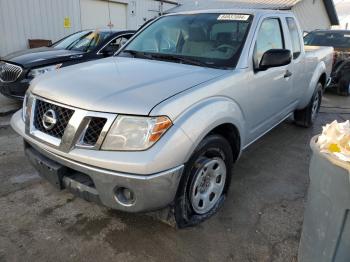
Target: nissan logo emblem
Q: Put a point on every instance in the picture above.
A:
(49, 119)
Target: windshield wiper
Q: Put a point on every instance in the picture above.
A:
(183, 60)
(169, 57)
(138, 54)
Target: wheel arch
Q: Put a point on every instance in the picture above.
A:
(323, 80)
(230, 132)
(215, 115)
(319, 75)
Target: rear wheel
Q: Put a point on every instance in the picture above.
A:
(344, 86)
(205, 181)
(307, 116)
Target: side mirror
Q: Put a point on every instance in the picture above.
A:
(275, 58)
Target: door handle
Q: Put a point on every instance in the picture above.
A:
(288, 74)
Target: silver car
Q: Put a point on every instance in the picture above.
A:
(163, 121)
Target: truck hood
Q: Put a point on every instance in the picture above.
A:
(40, 56)
(119, 84)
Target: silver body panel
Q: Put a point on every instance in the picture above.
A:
(152, 191)
(196, 99)
(104, 85)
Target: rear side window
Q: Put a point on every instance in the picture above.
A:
(295, 37)
(269, 37)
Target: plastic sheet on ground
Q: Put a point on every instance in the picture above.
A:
(335, 140)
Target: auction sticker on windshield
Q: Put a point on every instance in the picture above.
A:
(233, 17)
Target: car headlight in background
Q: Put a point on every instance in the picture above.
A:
(42, 70)
(132, 133)
(25, 106)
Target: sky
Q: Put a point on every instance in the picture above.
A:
(343, 9)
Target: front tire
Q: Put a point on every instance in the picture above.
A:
(307, 116)
(205, 182)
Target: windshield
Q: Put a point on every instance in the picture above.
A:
(88, 41)
(65, 42)
(212, 40)
(334, 39)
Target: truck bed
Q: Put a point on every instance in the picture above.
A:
(321, 53)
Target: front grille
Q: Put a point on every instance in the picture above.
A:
(63, 116)
(9, 72)
(94, 130)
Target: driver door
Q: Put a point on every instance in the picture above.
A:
(270, 90)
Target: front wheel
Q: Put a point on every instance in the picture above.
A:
(307, 116)
(205, 181)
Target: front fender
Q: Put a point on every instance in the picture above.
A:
(306, 97)
(202, 117)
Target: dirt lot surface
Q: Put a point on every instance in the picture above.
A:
(260, 221)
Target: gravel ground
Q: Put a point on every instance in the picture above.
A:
(260, 221)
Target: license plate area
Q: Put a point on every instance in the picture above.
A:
(48, 169)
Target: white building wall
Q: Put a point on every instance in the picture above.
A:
(140, 11)
(312, 15)
(21, 20)
(100, 14)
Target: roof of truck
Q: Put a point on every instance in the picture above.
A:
(225, 4)
(252, 4)
(235, 11)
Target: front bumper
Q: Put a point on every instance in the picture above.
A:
(153, 188)
(149, 192)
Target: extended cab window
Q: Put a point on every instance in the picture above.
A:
(211, 40)
(269, 37)
(295, 36)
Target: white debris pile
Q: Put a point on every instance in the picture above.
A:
(335, 140)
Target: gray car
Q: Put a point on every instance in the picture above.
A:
(163, 121)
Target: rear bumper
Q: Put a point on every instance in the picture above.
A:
(149, 192)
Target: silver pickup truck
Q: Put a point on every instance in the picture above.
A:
(163, 121)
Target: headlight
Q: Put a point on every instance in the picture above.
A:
(132, 133)
(42, 70)
(25, 106)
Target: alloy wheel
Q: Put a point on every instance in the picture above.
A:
(208, 185)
